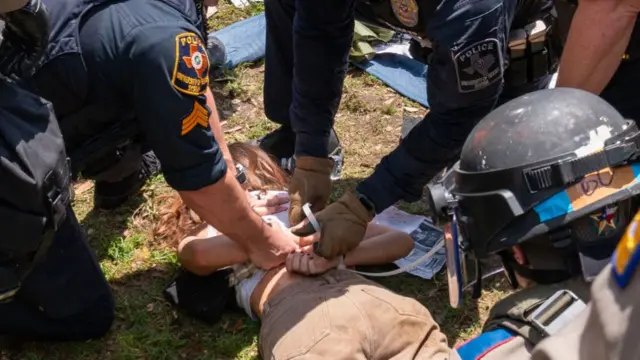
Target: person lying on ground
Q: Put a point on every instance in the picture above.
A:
(336, 315)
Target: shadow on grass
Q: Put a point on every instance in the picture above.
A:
(147, 327)
(104, 228)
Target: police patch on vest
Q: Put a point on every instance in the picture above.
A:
(199, 116)
(191, 71)
(626, 258)
(478, 65)
(406, 11)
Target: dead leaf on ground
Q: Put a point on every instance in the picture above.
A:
(84, 187)
(150, 307)
(410, 109)
(233, 129)
(237, 326)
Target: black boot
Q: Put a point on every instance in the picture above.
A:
(281, 144)
(110, 195)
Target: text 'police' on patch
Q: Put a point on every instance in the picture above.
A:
(191, 70)
(478, 65)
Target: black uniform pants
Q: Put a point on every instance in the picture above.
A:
(65, 298)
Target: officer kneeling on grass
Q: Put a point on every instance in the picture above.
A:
(126, 76)
(548, 182)
(51, 286)
(480, 54)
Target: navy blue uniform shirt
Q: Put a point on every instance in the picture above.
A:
(465, 78)
(145, 61)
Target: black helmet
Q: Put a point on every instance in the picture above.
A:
(536, 164)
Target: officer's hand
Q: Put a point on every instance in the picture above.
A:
(342, 224)
(269, 203)
(24, 39)
(310, 184)
(274, 250)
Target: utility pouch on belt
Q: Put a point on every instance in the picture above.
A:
(34, 183)
(530, 54)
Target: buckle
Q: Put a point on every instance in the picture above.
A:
(9, 284)
(7, 295)
(556, 312)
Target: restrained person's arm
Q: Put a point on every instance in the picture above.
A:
(224, 205)
(599, 34)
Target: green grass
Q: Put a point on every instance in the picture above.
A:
(138, 266)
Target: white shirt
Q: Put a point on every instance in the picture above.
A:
(245, 287)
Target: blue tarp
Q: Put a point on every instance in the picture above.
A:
(245, 41)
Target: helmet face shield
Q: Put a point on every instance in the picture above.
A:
(455, 256)
(463, 269)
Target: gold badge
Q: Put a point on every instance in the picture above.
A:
(406, 11)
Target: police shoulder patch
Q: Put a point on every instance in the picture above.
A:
(626, 258)
(191, 70)
(478, 65)
(198, 116)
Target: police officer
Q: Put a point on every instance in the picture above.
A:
(51, 286)
(480, 54)
(130, 75)
(607, 329)
(603, 53)
(560, 181)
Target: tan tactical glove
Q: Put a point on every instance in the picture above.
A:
(342, 224)
(310, 184)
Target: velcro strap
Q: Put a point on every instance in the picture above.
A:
(569, 171)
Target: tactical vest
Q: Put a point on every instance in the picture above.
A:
(525, 314)
(34, 183)
(514, 312)
(92, 132)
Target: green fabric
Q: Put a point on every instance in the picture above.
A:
(364, 37)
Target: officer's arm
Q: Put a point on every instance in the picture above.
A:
(169, 82)
(322, 37)
(598, 37)
(463, 84)
(218, 134)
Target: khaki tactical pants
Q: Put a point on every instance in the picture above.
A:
(341, 315)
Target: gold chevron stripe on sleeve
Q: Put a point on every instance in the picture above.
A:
(199, 115)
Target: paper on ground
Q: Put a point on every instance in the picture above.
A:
(424, 235)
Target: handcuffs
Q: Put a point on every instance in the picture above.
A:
(306, 208)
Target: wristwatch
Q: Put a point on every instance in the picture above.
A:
(241, 176)
(368, 204)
